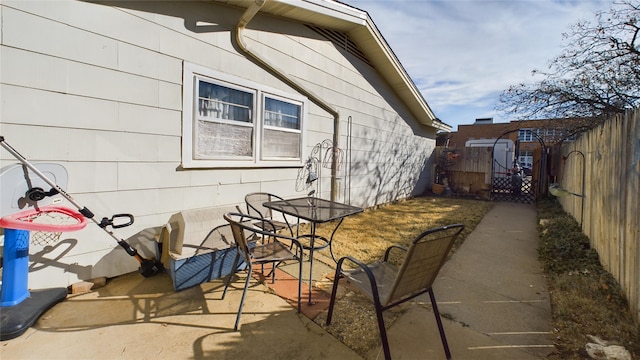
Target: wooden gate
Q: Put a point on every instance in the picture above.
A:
(513, 184)
(514, 188)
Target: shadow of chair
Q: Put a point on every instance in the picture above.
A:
(268, 248)
(388, 286)
(254, 203)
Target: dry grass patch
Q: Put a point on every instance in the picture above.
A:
(585, 298)
(366, 236)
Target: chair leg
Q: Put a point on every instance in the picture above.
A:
(336, 278)
(383, 332)
(227, 281)
(244, 294)
(300, 285)
(436, 313)
(273, 273)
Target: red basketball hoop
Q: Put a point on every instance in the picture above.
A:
(49, 218)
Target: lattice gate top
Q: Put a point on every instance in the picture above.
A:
(514, 188)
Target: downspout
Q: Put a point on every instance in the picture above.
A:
(246, 17)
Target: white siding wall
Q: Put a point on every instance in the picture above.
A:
(389, 149)
(98, 89)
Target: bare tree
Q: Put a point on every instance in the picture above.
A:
(597, 74)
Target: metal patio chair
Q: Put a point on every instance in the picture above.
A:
(254, 203)
(274, 249)
(388, 286)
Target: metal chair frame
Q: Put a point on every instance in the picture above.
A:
(255, 208)
(388, 286)
(274, 249)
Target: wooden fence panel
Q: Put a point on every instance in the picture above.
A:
(467, 181)
(604, 165)
(470, 169)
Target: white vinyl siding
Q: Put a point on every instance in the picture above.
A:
(112, 104)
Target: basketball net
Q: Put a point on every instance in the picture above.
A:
(46, 223)
(43, 238)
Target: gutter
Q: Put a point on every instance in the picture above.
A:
(246, 17)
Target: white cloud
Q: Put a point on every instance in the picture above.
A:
(463, 54)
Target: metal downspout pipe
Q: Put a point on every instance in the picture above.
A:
(246, 17)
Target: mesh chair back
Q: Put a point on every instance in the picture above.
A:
(239, 237)
(221, 234)
(422, 262)
(254, 204)
(247, 236)
(245, 232)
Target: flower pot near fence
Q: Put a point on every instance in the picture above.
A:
(438, 189)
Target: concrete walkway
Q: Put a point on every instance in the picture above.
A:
(491, 292)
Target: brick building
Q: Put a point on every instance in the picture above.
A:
(528, 136)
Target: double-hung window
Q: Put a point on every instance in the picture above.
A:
(526, 135)
(224, 122)
(231, 122)
(281, 131)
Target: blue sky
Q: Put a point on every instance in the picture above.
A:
(462, 54)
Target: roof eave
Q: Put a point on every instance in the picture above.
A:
(363, 31)
(386, 62)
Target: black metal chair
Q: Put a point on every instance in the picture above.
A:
(388, 286)
(274, 249)
(254, 203)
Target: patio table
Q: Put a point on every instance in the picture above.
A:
(315, 211)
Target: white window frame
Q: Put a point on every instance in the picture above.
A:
(526, 135)
(191, 74)
(277, 128)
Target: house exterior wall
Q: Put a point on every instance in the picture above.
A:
(98, 89)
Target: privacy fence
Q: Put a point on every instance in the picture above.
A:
(470, 171)
(467, 169)
(604, 166)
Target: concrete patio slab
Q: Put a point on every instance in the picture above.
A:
(143, 318)
(491, 293)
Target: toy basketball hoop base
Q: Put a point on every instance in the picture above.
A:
(19, 318)
(20, 309)
(16, 259)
